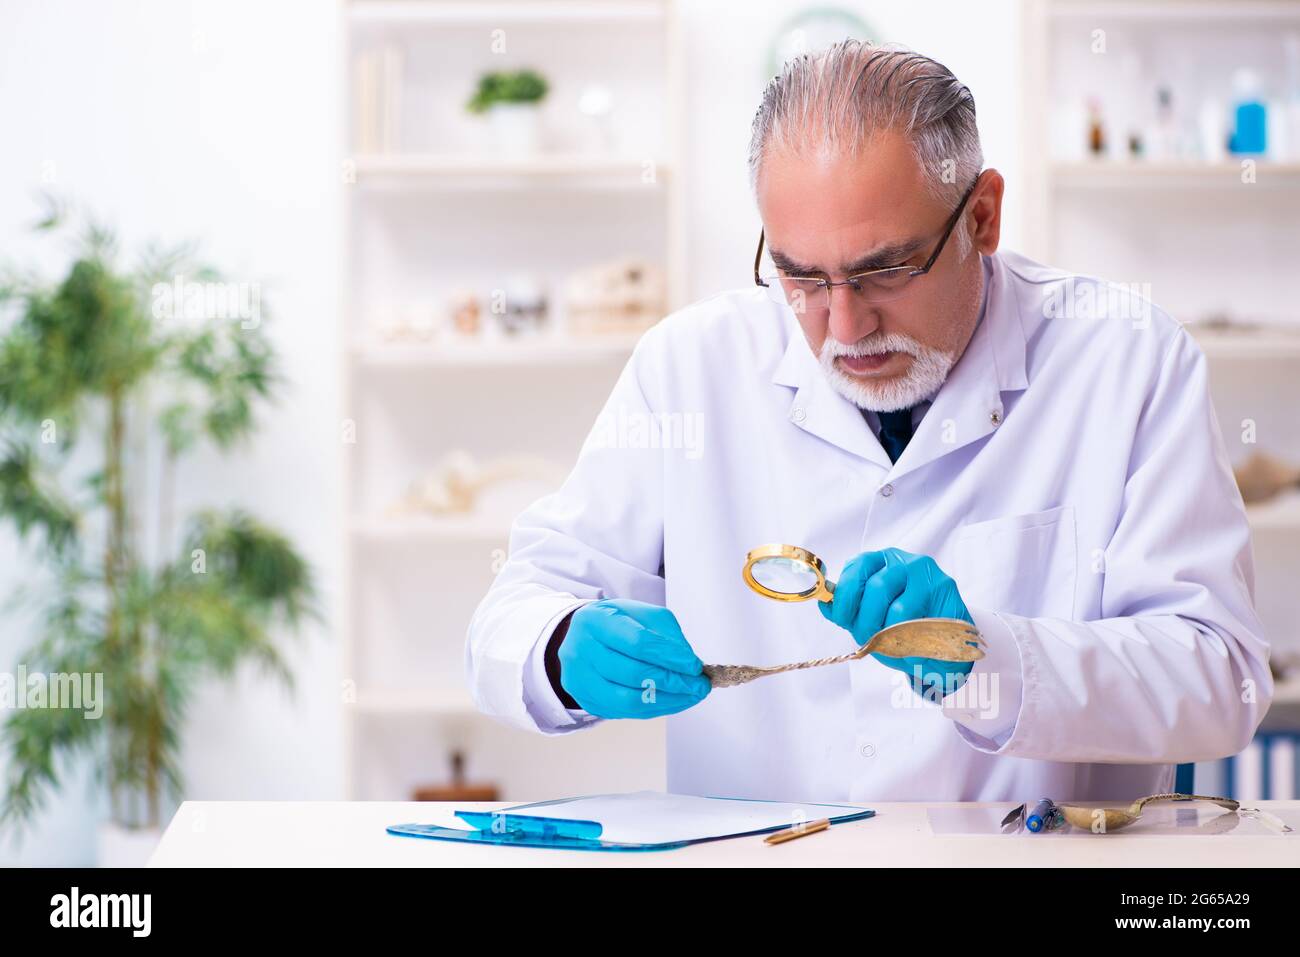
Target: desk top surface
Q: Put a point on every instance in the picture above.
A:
(351, 834)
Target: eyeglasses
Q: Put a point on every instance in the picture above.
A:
(807, 294)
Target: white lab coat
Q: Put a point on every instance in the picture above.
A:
(1070, 476)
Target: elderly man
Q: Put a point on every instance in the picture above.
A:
(966, 433)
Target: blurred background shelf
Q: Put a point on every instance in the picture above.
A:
(1178, 13)
(1279, 514)
(578, 12)
(547, 351)
(408, 701)
(417, 529)
(467, 171)
(540, 166)
(1180, 175)
(1259, 345)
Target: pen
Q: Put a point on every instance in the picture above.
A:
(799, 830)
(1041, 816)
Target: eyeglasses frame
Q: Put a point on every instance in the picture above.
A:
(854, 280)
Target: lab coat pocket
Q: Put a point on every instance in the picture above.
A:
(1021, 564)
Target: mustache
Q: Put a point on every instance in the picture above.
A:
(875, 344)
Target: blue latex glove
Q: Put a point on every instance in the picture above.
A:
(629, 659)
(879, 589)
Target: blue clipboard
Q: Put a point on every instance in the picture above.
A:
(507, 827)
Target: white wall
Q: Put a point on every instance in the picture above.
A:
(221, 120)
(217, 120)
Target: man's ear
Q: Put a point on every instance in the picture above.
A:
(986, 213)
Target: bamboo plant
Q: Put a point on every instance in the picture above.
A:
(100, 399)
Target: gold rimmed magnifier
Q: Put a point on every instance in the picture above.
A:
(787, 573)
(791, 573)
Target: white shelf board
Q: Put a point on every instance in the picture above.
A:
(415, 701)
(1104, 173)
(544, 170)
(1181, 12)
(1287, 691)
(540, 350)
(502, 11)
(1253, 345)
(430, 529)
(1279, 514)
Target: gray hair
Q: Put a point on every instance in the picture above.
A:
(833, 100)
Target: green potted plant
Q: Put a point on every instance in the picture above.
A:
(108, 376)
(511, 102)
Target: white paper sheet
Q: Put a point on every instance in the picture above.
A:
(652, 817)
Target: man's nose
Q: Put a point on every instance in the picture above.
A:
(851, 319)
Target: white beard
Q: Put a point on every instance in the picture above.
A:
(927, 372)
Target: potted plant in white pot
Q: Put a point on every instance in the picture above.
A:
(512, 104)
(101, 393)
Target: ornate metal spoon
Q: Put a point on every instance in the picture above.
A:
(1100, 820)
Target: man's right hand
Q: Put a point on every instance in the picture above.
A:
(629, 659)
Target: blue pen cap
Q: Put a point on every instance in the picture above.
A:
(1040, 815)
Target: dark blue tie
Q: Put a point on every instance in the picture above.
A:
(895, 431)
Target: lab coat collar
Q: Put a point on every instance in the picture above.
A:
(967, 407)
(816, 407)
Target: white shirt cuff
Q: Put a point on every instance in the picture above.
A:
(540, 698)
(986, 707)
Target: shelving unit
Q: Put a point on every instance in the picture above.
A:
(440, 211)
(1204, 241)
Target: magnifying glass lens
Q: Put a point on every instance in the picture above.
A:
(789, 576)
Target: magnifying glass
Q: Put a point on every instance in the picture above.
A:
(787, 573)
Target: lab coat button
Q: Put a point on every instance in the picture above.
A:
(886, 490)
(995, 416)
(798, 414)
(868, 750)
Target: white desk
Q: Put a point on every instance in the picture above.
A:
(344, 834)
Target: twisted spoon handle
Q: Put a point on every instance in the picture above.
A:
(726, 676)
(945, 639)
(1223, 802)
